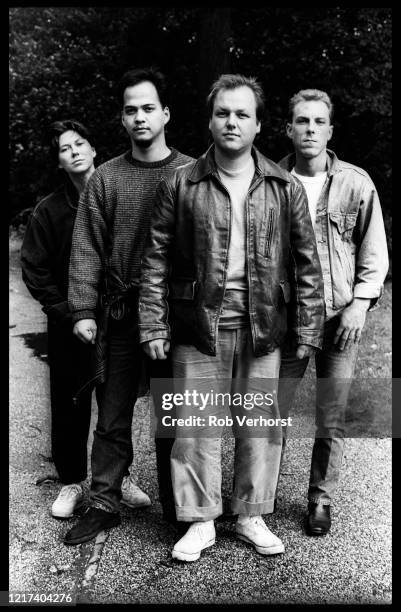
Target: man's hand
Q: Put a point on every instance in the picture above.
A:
(157, 348)
(85, 330)
(304, 350)
(351, 323)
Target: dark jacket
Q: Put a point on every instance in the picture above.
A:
(186, 258)
(45, 251)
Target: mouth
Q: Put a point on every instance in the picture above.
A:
(78, 161)
(141, 129)
(229, 134)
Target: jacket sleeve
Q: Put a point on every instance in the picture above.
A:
(372, 257)
(88, 252)
(307, 311)
(153, 292)
(37, 271)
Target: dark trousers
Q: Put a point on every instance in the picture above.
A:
(69, 370)
(112, 451)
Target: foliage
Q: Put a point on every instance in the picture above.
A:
(65, 62)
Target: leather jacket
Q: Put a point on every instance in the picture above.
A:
(356, 236)
(184, 265)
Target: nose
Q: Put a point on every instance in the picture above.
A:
(139, 117)
(74, 150)
(231, 123)
(311, 128)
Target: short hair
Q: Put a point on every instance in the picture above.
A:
(305, 95)
(57, 128)
(232, 81)
(134, 76)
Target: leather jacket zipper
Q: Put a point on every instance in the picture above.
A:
(269, 233)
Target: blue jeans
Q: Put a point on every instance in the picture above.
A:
(196, 462)
(334, 367)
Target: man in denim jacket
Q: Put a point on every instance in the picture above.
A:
(351, 240)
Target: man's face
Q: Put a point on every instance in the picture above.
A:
(75, 154)
(233, 123)
(143, 116)
(310, 129)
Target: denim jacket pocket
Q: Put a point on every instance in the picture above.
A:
(182, 289)
(344, 222)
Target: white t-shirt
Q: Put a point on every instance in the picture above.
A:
(313, 187)
(237, 183)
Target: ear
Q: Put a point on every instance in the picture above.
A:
(166, 112)
(122, 119)
(94, 152)
(288, 129)
(330, 133)
(258, 127)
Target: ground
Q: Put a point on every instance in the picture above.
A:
(132, 563)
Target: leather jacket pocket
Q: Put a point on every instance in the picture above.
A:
(344, 222)
(182, 289)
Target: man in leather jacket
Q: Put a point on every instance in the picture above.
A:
(351, 240)
(231, 247)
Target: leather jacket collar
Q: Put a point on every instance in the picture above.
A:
(206, 166)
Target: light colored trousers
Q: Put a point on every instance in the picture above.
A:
(196, 461)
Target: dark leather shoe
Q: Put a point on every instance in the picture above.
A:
(318, 521)
(92, 522)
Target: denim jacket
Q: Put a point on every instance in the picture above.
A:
(184, 266)
(356, 236)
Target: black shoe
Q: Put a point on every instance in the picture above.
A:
(92, 522)
(318, 521)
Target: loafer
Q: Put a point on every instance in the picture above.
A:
(318, 521)
(92, 522)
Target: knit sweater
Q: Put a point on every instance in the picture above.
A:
(111, 227)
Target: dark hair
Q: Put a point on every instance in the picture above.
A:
(139, 75)
(58, 128)
(232, 81)
(305, 95)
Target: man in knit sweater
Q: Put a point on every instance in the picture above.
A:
(110, 230)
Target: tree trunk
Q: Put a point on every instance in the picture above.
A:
(215, 59)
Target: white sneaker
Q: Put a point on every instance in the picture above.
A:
(199, 536)
(70, 497)
(132, 495)
(254, 530)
